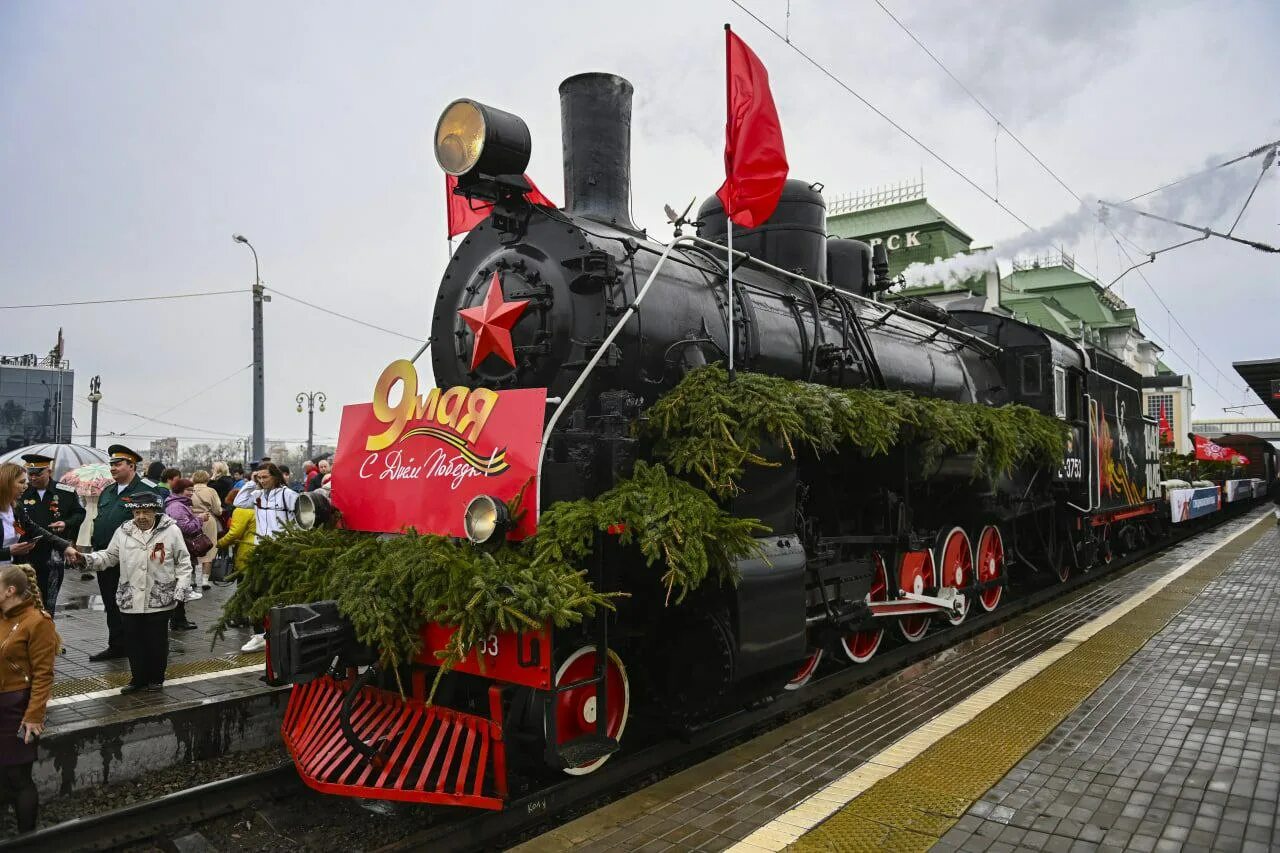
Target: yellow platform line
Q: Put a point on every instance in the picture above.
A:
(910, 794)
(72, 690)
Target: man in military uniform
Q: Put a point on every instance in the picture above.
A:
(55, 507)
(113, 512)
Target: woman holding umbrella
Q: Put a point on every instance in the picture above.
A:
(88, 480)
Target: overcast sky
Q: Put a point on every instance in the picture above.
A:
(136, 137)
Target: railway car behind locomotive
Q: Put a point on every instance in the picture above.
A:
(579, 321)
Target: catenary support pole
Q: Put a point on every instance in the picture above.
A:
(259, 371)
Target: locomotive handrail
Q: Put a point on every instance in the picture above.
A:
(568, 396)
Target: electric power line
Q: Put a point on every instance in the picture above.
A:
(204, 390)
(344, 316)
(165, 423)
(124, 299)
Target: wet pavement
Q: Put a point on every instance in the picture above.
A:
(87, 692)
(1180, 749)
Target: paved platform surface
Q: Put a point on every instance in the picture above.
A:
(86, 693)
(1180, 749)
(739, 799)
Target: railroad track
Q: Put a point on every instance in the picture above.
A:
(528, 814)
(152, 818)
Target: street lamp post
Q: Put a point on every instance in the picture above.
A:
(311, 398)
(95, 395)
(259, 393)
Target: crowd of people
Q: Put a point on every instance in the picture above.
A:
(157, 542)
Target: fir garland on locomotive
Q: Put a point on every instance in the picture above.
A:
(689, 542)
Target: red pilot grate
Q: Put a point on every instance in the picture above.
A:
(425, 754)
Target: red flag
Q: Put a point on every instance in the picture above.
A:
(755, 161)
(465, 214)
(1211, 451)
(1166, 431)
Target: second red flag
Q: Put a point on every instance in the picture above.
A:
(465, 214)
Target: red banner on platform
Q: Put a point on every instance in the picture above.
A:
(1210, 451)
(418, 462)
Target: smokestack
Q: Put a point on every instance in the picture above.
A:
(595, 122)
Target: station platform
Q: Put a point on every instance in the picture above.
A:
(213, 701)
(1138, 713)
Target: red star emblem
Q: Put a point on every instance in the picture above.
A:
(491, 323)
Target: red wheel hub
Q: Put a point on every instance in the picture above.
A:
(805, 674)
(915, 575)
(990, 566)
(576, 709)
(860, 646)
(956, 559)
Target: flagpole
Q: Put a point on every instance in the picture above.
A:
(728, 214)
(732, 375)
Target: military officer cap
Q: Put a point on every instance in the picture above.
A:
(120, 452)
(143, 500)
(37, 462)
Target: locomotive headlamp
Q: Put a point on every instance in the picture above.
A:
(472, 137)
(313, 509)
(486, 520)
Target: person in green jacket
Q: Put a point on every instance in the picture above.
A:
(113, 512)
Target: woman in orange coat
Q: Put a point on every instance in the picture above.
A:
(28, 646)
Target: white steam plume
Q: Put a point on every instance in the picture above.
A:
(1208, 200)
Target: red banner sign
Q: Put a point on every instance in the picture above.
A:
(418, 462)
(1210, 451)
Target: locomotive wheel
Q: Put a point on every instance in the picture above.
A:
(805, 674)
(956, 559)
(861, 646)
(689, 687)
(990, 566)
(916, 577)
(1062, 562)
(576, 709)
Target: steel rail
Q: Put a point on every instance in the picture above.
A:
(144, 820)
(542, 809)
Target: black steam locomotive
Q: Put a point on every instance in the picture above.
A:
(857, 546)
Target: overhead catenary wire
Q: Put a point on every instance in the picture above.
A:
(843, 85)
(1261, 149)
(1000, 125)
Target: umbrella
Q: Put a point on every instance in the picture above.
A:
(65, 456)
(88, 480)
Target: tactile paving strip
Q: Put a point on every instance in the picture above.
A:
(79, 686)
(914, 807)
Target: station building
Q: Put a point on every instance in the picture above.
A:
(36, 397)
(1046, 290)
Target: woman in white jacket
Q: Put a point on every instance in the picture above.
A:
(155, 574)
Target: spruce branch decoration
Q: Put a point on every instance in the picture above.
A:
(389, 587)
(711, 429)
